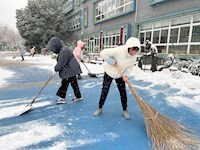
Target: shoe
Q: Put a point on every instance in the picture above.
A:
(61, 101)
(126, 115)
(97, 112)
(75, 99)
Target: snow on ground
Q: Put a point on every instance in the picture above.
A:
(185, 82)
(33, 132)
(5, 74)
(36, 132)
(178, 79)
(46, 62)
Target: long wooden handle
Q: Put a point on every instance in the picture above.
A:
(128, 83)
(41, 90)
(142, 104)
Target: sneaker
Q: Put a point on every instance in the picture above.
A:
(97, 112)
(61, 101)
(126, 115)
(75, 99)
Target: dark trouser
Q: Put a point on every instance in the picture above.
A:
(154, 64)
(140, 63)
(22, 57)
(64, 86)
(107, 80)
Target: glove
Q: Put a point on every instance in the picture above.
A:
(110, 61)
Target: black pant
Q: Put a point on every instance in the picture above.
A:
(154, 63)
(22, 57)
(107, 80)
(64, 86)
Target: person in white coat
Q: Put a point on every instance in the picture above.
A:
(124, 56)
(22, 51)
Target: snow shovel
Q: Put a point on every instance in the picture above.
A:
(29, 106)
(164, 132)
(90, 74)
(15, 56)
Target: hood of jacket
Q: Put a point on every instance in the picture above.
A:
(80, 44)
(133, 42)
(54, 45)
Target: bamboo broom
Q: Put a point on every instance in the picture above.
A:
(164, 132)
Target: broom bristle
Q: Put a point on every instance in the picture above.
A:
(165, 132)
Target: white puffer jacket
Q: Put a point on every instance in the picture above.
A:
(121, 57)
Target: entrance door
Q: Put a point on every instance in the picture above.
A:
(91, 46)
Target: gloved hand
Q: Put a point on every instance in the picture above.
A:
(110, 60)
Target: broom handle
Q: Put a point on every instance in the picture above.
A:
(41, 90)
(86, 67)
(15, 56)
(140, 101)
(128, 83)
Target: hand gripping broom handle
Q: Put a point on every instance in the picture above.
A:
(142, 104)
(40, 90)
(128, 83)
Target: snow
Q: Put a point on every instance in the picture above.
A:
(181, 80)
(5, 74)
(36, 131)
(33, 132)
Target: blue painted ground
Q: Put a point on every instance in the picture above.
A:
(79, 129)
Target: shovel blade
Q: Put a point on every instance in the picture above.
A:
(92, 75)
(25, 110)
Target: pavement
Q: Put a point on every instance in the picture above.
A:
(72, 126)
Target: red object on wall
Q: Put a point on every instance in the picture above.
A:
(101, 40)
(121, 36)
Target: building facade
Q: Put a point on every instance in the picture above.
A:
(172, 25)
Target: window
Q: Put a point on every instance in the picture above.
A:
(74, 22)
(85, 17)
(146, 27)
(184, 34)
(180, 49)
(162, 49)
(68, 6)
(141, 38)
(111, 8)
(195, 49)
(148, 36)
(160, 24)
(156, 36)
(182, 31)
(196, 18)
(164, 35)
(181, 21)
(174, 35)
(196, 34)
